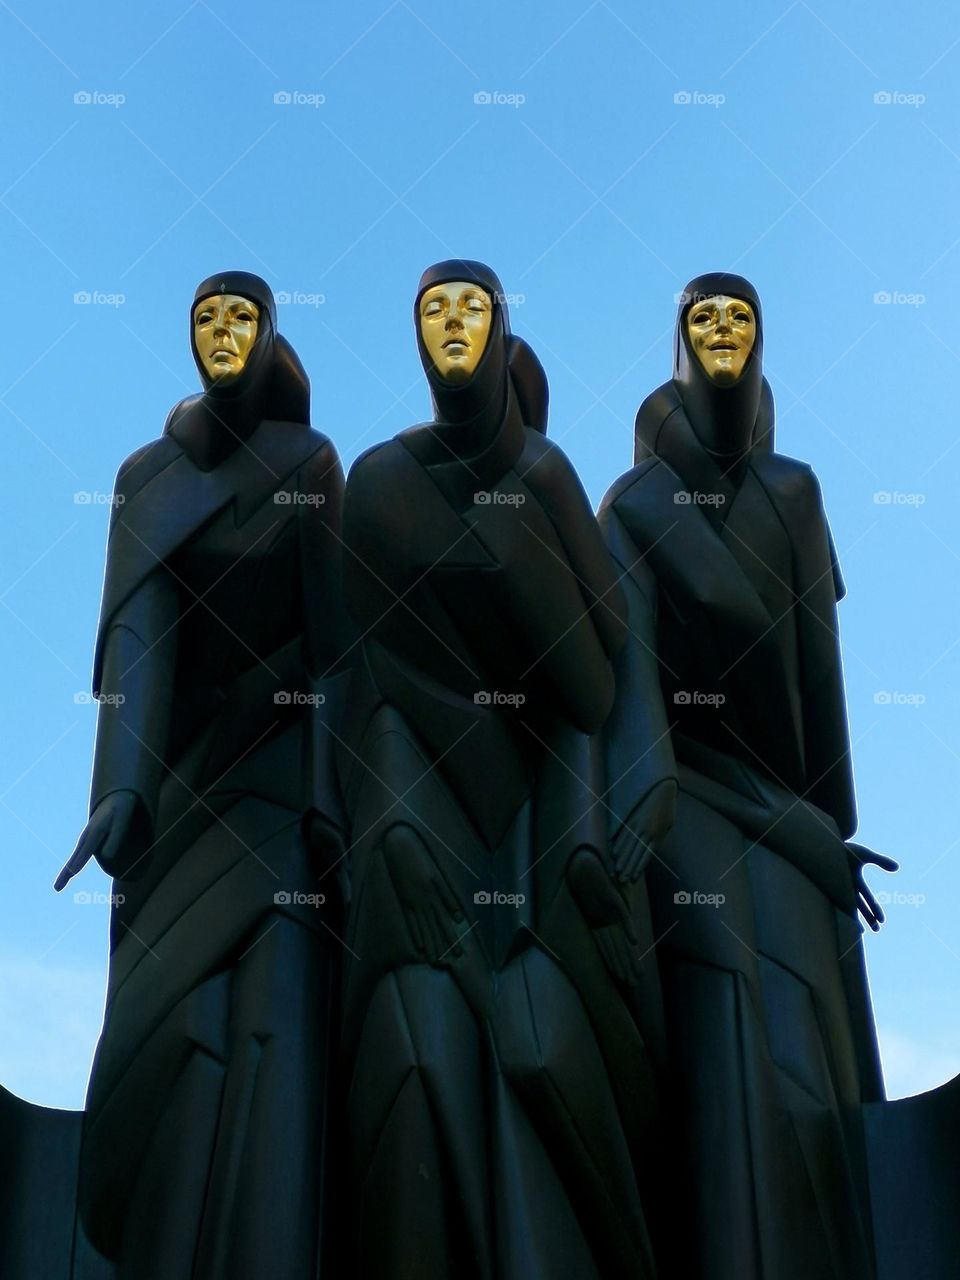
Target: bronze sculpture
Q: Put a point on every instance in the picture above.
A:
(206, 1120)
(494, 1053)
(730, 568)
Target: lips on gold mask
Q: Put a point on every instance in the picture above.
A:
(224, 331)
(455, 324)
(722, 332)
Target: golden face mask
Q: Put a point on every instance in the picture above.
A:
(455, 324)
(224, 331)
(722, 332)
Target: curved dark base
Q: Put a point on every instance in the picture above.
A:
(38, 1189)
(912, 1147)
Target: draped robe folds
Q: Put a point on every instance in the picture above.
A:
(772, 1048)
(500, 1105)
(204, 1141)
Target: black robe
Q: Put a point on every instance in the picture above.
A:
(772, 1047)
(496, 1106)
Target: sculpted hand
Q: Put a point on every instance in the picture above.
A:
(108, 837)
(860, 857)
(637, 840)
(607, 915)
(429, 905)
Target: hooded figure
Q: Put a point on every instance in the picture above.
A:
(493, 1051)
(733, 666)
(205, 1128)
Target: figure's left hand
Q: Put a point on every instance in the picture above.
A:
(607, 915)
(868, 906)
(639, 837)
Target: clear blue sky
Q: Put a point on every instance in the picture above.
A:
(596, 195)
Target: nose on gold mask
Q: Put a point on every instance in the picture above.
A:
(224, 331)
(722, 332)
(455, 325)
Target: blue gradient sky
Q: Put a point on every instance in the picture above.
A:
(596, 195)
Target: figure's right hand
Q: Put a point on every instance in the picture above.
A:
(429, 904)
(106, 837)
(607, 914)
